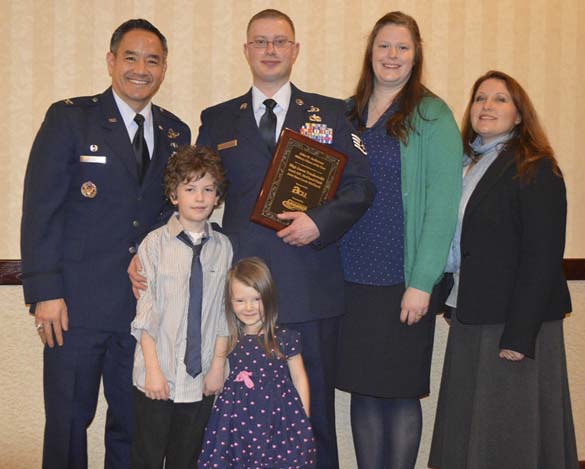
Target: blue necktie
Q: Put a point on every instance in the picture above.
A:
(267, 124)
(193, 351)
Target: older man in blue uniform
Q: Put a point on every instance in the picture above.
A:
(93, 189)
(303, 257)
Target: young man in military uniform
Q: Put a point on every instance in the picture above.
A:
(303, 257)
(93, 189)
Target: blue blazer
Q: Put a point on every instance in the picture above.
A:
(84, 210)
(310, 278)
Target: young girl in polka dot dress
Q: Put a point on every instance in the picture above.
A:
(260, 419)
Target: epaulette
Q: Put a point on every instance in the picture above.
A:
(81, 101)
(349, 105)
(168, 114)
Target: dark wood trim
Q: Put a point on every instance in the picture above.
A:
(10, 272)
(581, 464)
(574, 270)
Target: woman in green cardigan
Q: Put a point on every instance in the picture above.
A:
(395, 255)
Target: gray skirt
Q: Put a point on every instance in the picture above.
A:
(497, 414)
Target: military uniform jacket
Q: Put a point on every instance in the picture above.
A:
(309, 279)
(84, 210)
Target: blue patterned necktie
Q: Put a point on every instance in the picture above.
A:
(193, 351)
(267, 124)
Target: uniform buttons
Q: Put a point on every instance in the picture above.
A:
(135, 223)
(132, 250)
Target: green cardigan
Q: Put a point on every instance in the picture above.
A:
(431, 175)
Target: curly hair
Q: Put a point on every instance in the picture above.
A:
(194, 162)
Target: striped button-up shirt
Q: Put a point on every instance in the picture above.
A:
(162, 308)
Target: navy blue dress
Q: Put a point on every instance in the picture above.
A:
(258, 420)
(378, 355)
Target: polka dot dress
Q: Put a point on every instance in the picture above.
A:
(258, 420)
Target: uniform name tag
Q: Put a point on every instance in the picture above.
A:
(226, 145)
(92, 159)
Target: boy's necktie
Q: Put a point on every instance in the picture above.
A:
(193, 351)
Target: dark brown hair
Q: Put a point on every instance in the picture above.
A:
(529, 140)
(254, 273)
(400, 124)
(271, 14)
(194, 162)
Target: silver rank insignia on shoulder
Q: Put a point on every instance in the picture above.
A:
(88, 189)
(243, 106)
(68, 101)
(93, 148)
(172, 134)
(315, 118)
(299, 101)
(359, 144)
(313, 109)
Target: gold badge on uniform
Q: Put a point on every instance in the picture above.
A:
(172, 134)
(314, 118)
(299, 101)
(88, 189)
(243, 106)
(112, 119)
(313, 109)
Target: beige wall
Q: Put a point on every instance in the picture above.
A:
(56, 48)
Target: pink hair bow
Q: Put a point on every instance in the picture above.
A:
(245, 377)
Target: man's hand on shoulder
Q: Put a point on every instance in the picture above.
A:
(301, 231)
(138, 281)
(51, 319)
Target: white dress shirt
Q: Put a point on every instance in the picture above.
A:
(282, 98)
(128, 117)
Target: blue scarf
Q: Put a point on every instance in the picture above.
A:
(485, 154)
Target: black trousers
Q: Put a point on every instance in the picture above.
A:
(168, 432)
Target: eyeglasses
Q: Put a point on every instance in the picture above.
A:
(278, 43)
